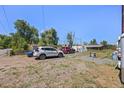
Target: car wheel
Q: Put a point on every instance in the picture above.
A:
(60, 55)
(42, 57)
(122, 75)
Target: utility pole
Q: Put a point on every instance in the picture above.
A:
(122, 47)
(73, 38)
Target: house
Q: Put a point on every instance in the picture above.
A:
(82, 48)
(79, 48)
(96, 47)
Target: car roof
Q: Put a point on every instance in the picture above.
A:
(45, 47)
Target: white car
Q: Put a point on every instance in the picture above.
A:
(44, 52)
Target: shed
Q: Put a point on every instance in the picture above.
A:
(97, 47)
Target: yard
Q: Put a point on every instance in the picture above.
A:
(74, 70)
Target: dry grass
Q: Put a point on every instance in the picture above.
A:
(64, 72)
(106, 53)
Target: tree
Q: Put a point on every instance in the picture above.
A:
(24, 35)
(5, 41)
(104, 43)
(22, 38)
(70, 39)
(18, 42)
(93, 42)
(1, 40)
(34, 36)
(49, 37)
(27, 32)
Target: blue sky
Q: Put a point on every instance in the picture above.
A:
(87, 22)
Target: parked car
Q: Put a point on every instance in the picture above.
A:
(44, 52)
(67, 50)
(29, 53)
(119, 56)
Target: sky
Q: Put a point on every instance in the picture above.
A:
(86, 22)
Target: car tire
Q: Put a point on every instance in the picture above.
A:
(122, 75)
(42, 57)
(60, 55)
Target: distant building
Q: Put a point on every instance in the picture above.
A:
(79, 48)
(96, 47)
(82, 48)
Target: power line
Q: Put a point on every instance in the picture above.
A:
(43, 17)
(3, 26)
(1, 21)
(5, 15)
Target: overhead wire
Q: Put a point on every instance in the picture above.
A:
(3, 27)
(43, 17)
(4, 12)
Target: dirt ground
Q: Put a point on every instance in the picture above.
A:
(74, 70)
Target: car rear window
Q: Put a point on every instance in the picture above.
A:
(43, 48)
(49, 49)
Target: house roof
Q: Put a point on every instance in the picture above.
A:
(94, 46)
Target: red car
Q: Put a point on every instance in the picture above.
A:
(67, 50)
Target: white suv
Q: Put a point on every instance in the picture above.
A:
(43, 52)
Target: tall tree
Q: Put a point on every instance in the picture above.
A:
(5, 41)
(93, 42)
(29, 33)
(18, 42)
(34, 36)
(104, 43)
(70, 39)
(49, 37)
